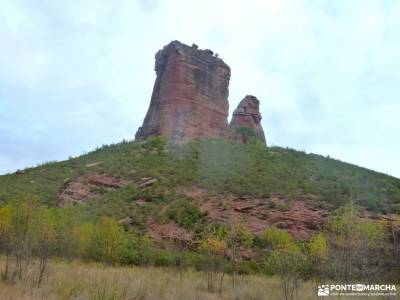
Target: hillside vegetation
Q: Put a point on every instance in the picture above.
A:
(219, 166)
(130, 193)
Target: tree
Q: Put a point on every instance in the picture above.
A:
(27, 233)
(108, 240)
(288, 266)
(317, 254)
(21, 237)
(284, 259)
(146, 247)
(45, 239)
(214, 249)
(354, 243)
(393, 226)
(237, 236)
(179, 244)
(83, 235)
(5, 223)
(66, 223)
(317, 247)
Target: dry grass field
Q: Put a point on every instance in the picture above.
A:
(77, 280)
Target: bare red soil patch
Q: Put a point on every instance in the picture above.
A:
(87, 187)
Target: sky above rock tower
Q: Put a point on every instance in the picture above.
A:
(78, 74)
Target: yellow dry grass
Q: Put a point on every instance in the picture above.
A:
(81, 281)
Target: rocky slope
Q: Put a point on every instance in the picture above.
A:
(171, 191)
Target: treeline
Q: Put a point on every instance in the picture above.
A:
(348, 248)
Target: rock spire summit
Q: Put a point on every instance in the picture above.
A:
(190, 98)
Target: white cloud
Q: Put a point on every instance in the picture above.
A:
(327, 73)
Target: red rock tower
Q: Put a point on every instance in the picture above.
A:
(190, 95)
(246, 120)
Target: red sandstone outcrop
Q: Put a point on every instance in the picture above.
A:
(302, 220)
(190, 95)
(86, 188)
(246, 120)
(190, 99)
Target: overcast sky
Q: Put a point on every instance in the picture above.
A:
(77, 74)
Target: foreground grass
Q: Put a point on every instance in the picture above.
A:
(76, 280)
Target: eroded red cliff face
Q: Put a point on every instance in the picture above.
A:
(190, 99)
(190, 95)
(246, 120)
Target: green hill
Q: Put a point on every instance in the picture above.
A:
(215, 165)
(235, 207)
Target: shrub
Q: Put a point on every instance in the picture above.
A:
(247, 134)
(185, 213)
(108, 240)
(277, 239)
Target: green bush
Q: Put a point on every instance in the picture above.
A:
(277, 239)
(185, 213)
